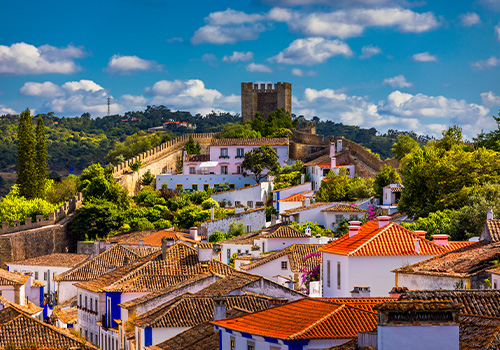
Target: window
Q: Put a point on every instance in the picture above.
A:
(86, 335)
(228, 254)
(96, 310)
(232, 344)
(250, 204)
(206, 187)
(354, 217)
(328, 274)
(81, 301)
(338, 275)
(36, 275)
(45, 276)
(216, 187)
(194, 187)
(236, 203)
(274, 348)
(246, 251)
(240, 153)
(246, 185)
(192, 170)
(249, 228)
(238, 169)
(263, 247)
(91, 337)
(86, 306)
(339, 218)
(91, 302)
(284, 265)
(232, 186)
(223, 169)
(223, 153)
(179, 187)
(139, 339)
(250, 345)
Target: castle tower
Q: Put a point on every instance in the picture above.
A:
(264, 99)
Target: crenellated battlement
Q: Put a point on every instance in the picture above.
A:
(265, 98)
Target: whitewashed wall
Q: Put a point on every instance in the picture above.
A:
(256, 219)
(187, 181)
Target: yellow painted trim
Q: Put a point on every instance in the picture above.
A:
(182, 186)
(197, 187)
(208, 186)
(397, 280)
(468, 283)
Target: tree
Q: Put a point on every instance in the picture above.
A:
(147, 178)
(95, 220)
(490, 140)
(335, 187)
(405, 145)
(26, 156)
(259, 124)
(451, 137)
(387, 175)
(238, 131)
(41, 164)
(259, 159)
(135, 166)
(192, 147)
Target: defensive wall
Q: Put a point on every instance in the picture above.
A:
(358, 151)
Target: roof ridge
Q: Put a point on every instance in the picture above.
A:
(317, 322)
(382, 229)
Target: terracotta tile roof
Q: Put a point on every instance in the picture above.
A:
(344, 208)
(283, 231)
(298, 197)
(492, 227)
(190, 310)
(196, 158)
(8, 278)
(113, 257)
(454, 245)
(228, 284)
(200, 337)
(246, 238)
(36, 283)
(304, 319)
(479, 332)
(279, 141)
(323, 160)
(485, 302)
(463, 262)
(287, 188)
(151, 238)
(365, 303)
(311, 206)
(419, 305)
(30, 308)
(296, 255)
(389, 240)
(57, 259)
(20, 330)
(68, 315)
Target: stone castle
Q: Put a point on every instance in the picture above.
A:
(264, 99)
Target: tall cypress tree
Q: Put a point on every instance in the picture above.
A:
(41, 164)
(26, 156)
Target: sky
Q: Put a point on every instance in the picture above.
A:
(406, 65)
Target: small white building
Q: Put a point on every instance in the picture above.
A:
(241, 245)
(367, 255)
(251, 196)
(391, 194)
(23, 292)
(287, 192)
(295, 201)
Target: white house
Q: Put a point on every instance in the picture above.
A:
(287, 192)
(367, 255)
(279, 237)
(24, 292)
(391, 194)
(243, 244)
(252, 196)
(295, 201)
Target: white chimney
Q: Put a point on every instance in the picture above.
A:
(204, 254)
(302, 178)
(141, 243)
(219, 308)
(332, 149)
(441, 240)
(212, 213)
(193, 233)
(355, 223)
(273, 219)
(308, 230)
(417, 245)
(339, 145)
(383, 221)
(314, 289)
(360, 292)
(307, 202)
(353, 231)
(489, 214)
(420, 233)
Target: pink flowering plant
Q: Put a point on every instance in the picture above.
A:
(310, 270)
(371, 213)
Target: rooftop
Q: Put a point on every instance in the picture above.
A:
(344, 208)
(365, 303)
(298, 197)
(390, 240)
(323, 160)
(282, 231)
(463, 262)
(246, 238)
(280, 141)
(492, 227)
(30, 308)
(479, 332)
(196, 158)
(418, 305)
(296, 255)
(311, 206)
(148, 238)
(57, 259)
(8, 278)
(304, 319)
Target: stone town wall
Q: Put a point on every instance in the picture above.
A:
(367, 157)
(265, 99)
(308, 138)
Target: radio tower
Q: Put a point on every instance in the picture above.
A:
(109, 106)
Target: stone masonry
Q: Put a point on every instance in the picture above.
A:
(264, 99)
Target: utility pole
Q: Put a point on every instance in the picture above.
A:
(109, 105)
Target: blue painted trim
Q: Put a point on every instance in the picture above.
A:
(148, 336)
(246, 335)
(278, 204)
(220, 339)
(230, 331)
(115, 298)
(271, 340)
(41, 296)
(296, 344)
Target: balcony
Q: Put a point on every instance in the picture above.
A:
(223, 157)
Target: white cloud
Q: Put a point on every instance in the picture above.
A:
(497, 31)
(486, 64)
(45, 89)
(301, 73)
(491, 100)
(209, 57)
(6, 110)
(399, 81)
(469, 19)
(369, 51)
(126, 64)
(134, 102)
(255, 67)
(311, 51)
(22, 58)
(191, 95)
(83, 85)
(230, 16)
(238, 56)
(336, 3)
(424, 57)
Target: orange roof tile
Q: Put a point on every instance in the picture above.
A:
(365, 303)
(298, 197)
(304, 319)
(453, 245)
(344, 208)
(391, 239)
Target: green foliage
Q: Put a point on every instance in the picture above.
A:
(135, 166)
(231, 260)
(315, 229)
(175, 203)
(235, 229)
(147, 178)
(135, 145)
(190, 216)
(490, 140)
(96, 185)
(199, 197)
(259, 159)
(63, 190)
(405, 145)
(451, 137)
(41, 166)
(282, 132)
(387, 175)
(270, 211)
(162, 223)
(238, 131)
(149, 197)
(361, 188)
(26, 175)
(342, 228)
(192, 147)
(439, 222)
(341, 187)
(209, 203)
(217, 236)
(95, 220)
(287, 180)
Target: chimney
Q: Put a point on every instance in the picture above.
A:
(212, 213)
(308, 230)
(141, 243)
(360, 292)
(193, 233)
(383, 221)
(302, 178)
(164, 246)
(273, 219)
(420, 234)
(339, 145)
(353, 231)
(204, 254)
(489, 214)
(417, 245)
(307, 202)
(219, 308)
(332, 149)
(441, 240)
(355, 223)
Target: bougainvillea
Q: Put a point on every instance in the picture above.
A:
(371, 213)
(310, 272)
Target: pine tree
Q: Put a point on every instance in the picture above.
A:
(41, 164)
(26, 156)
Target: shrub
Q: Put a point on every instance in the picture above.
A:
(209, 203)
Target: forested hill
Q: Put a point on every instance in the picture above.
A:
(79, 141)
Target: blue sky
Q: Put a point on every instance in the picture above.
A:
(408, 65)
